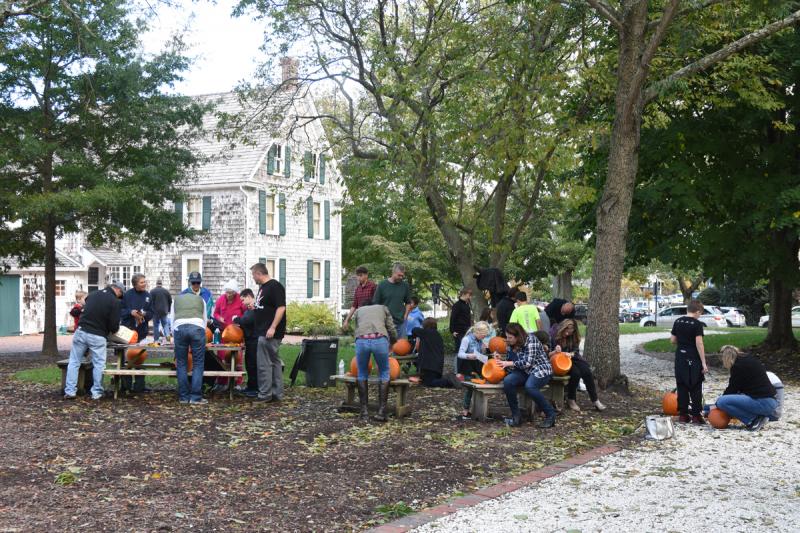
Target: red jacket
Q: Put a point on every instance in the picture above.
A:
(224, 311)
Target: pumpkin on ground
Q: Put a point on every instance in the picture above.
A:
(135, 356)
(718, 418)
(669, 404)
(232, 334)
(209, 335)
(401, 347)
(394, 369)
(497, 345)
(492, 372)
(354, 366)
(562, 363)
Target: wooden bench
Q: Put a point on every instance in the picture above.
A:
(553, 391)
(84, 374)
(399, 386)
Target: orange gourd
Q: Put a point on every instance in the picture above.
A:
(492, 371)
(497, 345)
(354, 367)
(562, 363)
(718, 418)
(394, 369)
(669, 404)
(209, 335)
(401, 347)
(232, 334)
(478, 381)
(134, 338)
(135, 356)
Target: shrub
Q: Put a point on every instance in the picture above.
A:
(311, 319)
(710, 296)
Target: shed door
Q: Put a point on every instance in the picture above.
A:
(9, 308)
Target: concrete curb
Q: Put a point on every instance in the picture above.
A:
(412, 521)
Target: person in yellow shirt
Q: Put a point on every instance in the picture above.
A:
(526, 314)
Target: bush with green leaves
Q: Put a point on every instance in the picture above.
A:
(311, 319)
(710, 296)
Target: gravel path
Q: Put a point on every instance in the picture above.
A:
(702, 480)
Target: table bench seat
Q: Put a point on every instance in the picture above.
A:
(553, 391)
(399, 386)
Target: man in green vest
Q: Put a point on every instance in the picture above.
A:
(526, 314)
(189, 331)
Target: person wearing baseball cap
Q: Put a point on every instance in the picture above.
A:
(196, 287)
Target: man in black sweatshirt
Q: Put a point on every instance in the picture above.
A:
(461, 316)
(99, 319)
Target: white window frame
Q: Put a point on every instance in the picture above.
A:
(62, 283)
(185, 258)
(317, 281)
(273, 229)
(279, 151)
(316, 216)
(194, 212)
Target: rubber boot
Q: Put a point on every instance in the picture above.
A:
(363, 399)
(383, 397)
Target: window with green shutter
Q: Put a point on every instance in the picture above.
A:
(327, 279)
(206, 213)
(310, 217)
(309, 279)
(322, 169)
(282, 213)
(327, 220)
(262, 212)
(287, 164)
(308, 168)
(282, 277)
(271, 160)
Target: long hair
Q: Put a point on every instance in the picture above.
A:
(561, 334)
(518, 331)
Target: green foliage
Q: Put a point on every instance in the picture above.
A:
(311, 319)
(710, 296)
(741, 338)
(391, 511)
(69, 476)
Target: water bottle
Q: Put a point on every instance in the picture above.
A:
(341, 367)
(217, 336)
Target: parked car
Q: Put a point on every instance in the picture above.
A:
(711, 316)
(763, 322)
(628, 315)
(734, 316)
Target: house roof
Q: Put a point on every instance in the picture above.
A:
(233, 160)
(109, 257)
(63, 262)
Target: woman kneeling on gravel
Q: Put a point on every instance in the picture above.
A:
(750, 396)
(529, 366)
(568, 340)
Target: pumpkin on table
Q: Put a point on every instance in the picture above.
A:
(497, 345)
(232, 334)
(492, 372)
(394, 369)
(135, 356)
(401, 347)
(209, 336)
(354, 366)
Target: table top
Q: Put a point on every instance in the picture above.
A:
(170, 348)
(370, 379)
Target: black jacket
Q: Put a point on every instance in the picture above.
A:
(248, 324)
(492, 280)
(101, 313)
(460, 317)
(748, 376)
(504, 309)
(553, 311)
(160, 301)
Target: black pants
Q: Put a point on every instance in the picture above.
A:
(431, 378)
(250, 363)
(689, 382)
(581, 370)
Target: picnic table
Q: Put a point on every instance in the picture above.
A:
(553, 391)
(166, 368)
(399, 386)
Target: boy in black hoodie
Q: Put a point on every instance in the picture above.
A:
(248, 324)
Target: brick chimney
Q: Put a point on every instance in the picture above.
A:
(289, 66)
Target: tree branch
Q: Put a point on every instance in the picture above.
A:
(607, 12)
(686, 11)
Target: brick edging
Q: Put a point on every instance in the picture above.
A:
(491, 492)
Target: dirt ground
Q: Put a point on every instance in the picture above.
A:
(146, 463)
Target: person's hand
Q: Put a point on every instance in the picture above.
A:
(505, 364)
(557, 348)
(270, 333)
(455, 334)
(346, 324)
(705, 369)
(472, 356)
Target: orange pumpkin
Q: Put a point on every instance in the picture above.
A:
(394, 369)
(354, 367)
(135, 356)
(478, 381)
(401, 347)
(134, 338)
(718, 418)
(233, 334)
(669, 404)
(562, 363)
(492, 371)
(497, 345)
(209, 336)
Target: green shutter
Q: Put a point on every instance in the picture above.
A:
(282, 213)
(179, 210)
(262, 260)
(287, 162)
(322, 169)
(308, 171)
(271, 160)
(310, 210)
(282, 277)
(327, 220)
(262, 212)
(310, 279)
(327, 279)
(206, 213)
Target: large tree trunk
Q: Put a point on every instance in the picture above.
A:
(562, 285)
(602, 339)
(688, 287)
(50, 339)
(781, 284)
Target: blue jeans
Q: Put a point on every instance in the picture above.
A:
(401, 329)
(532, 389)
(186, 336)
(162, 321)
(745, 408)
(96, 345)
(379, 348)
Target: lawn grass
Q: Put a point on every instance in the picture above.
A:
(739, 337)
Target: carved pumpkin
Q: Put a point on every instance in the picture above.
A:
(209, 336)
(135, 356)
(233, 334)
(401, 347)
(478, 381)
(394, 369)
(718, 418)
(562, 363)
(134, 337)
(492, 371)
(497, 345)
(669, 404)
(354, 366)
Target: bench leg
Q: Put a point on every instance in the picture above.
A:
(401, 407)
(557, 395)
(63, 379)
(527, 406)
(351, 393)
(480, 406)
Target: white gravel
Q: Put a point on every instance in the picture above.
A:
(703, 480)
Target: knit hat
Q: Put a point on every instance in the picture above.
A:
(231, 285)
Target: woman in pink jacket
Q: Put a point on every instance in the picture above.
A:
(228, 306)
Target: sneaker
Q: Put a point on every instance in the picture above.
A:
(513, 421)
(699, 420)
(97, 397)
(201, 401)
(685, 419)
(183, 402)
(69, 397)
(599, 406)
(757, 423)
(219, 388)
(251, 393)
(464, 418)
(263, 400)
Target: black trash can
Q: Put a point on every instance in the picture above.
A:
(318, 358)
